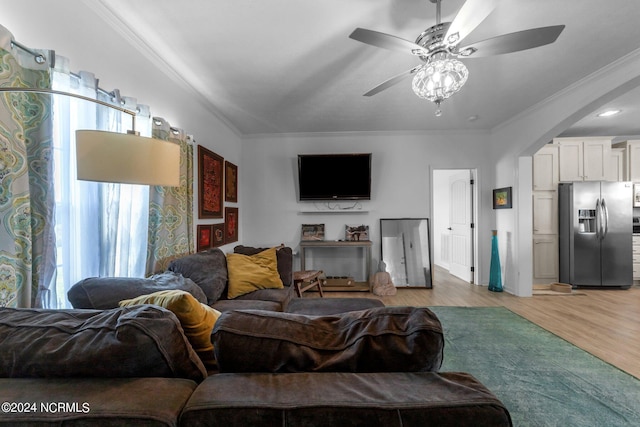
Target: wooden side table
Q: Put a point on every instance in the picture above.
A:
(307, 279)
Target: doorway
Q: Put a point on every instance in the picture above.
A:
(454, 219)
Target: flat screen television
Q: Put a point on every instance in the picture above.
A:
(334, 176)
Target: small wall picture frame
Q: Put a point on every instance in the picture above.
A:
(230, 182)
(231, 223)
(205, 237)
(356, 233)
(502, 198)
(218, 235)
(210, 177)
(312, 232)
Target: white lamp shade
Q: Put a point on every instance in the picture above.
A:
(126, 158)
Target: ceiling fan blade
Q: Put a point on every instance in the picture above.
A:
(513, 42)
(386, 41)
(392, 81)
(470, 15)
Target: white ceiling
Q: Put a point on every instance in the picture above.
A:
(288, 66)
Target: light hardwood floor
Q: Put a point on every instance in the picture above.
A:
(606, 323)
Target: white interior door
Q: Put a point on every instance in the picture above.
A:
(460, 226)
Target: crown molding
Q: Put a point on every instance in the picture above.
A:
(112, 18)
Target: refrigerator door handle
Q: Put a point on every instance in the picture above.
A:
(605, 214)
(598, 220)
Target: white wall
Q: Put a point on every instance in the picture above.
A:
(401, 186)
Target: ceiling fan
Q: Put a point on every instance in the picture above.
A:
(441, 74)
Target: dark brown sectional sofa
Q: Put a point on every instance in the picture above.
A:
(282, 361)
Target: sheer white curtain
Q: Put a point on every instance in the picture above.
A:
(101, 228)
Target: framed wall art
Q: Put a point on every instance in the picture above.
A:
(502, 198)
(218, 235)
(312, 232)
(205, 234)
(231, 222)
(210, 170)
(355, 233)
(230, 182)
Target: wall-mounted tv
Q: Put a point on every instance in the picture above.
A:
(334, 176)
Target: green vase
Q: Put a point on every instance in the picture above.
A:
(495, 273)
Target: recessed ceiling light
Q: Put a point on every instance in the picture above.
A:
(473, 118)
(609, 113)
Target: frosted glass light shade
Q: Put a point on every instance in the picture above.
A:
(440, 78)
(126, 158)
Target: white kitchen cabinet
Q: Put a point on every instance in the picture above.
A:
(545, 212)
(631, 159)
(584, 159)
(617, 169)
(545, 259)
(636, 257)
(545, 169)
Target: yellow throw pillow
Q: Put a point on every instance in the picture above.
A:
(248, 273)
(197, 319)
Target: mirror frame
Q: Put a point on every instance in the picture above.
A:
(429, 284)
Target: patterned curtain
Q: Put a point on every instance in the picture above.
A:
(27, 240)
(171, 208)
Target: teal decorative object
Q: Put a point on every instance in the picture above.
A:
(495, 274)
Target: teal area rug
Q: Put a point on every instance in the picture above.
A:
(542, 379)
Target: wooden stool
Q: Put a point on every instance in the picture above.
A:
(307, 279)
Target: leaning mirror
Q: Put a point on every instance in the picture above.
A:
(406, 251)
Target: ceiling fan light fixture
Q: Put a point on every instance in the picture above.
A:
(439, 78)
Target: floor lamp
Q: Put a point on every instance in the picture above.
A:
(118, 157)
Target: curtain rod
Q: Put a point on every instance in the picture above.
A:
(38, 57)
(73, 95)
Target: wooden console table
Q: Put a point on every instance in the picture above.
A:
(362, 253)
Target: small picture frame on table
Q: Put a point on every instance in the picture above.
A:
(312, 232)
(356, 233)
(502, 198)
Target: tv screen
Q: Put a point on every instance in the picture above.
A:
(334, 176)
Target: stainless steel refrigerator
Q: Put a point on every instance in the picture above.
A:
(595, 233)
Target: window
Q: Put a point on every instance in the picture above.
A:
(101, 228)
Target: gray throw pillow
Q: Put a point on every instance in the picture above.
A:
(208, 269)
(103, 293)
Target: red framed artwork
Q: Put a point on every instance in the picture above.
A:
(205, 237)
(230, 182)
(210, 177)
(230, 225)
(218, 235)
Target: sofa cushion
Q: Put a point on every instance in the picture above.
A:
(374, 340)
(328, 306)
(208, 269)
(248, 273)
(148, 402)
(141, 341)
(103, 293)
(197, 319)
(284, 255)
(389, 399)
(225, 305)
